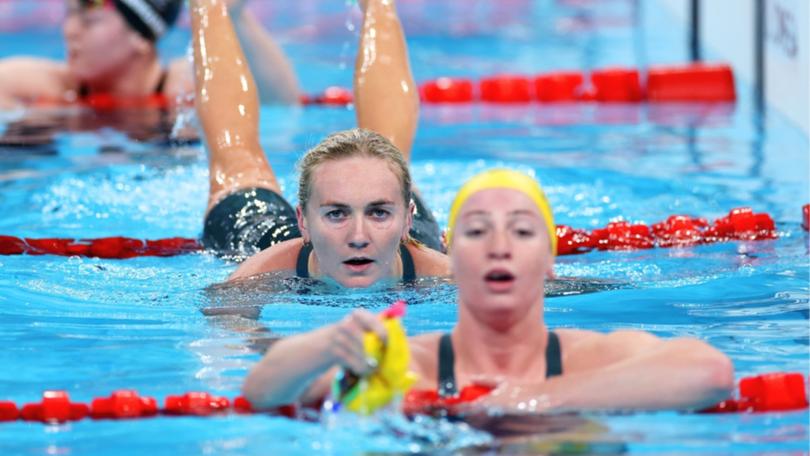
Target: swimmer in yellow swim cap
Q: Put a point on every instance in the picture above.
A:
(501, 250)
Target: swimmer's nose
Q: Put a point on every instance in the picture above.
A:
(499, 247)
(358, 238)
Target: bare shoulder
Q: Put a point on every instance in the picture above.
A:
(179, 78)
(279, 257)
(424, 358)
(572, 337)
(28, 78)
(583, 350)
(429, 262)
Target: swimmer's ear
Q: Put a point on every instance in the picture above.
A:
(408, 220)
(550, 275)
(302, 223)
(141, 44)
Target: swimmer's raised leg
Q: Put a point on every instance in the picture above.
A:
(387, 99)
(386, 96)
(245, 209)
(227, 105)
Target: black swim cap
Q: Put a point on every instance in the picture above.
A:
(150, 18)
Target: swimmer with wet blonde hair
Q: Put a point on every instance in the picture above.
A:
(501, 247)
(358, 222)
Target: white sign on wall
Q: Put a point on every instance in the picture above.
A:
(787, 79)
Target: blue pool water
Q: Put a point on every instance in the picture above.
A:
(92, 326)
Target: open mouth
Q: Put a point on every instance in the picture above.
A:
(499, 276)
(358, 261)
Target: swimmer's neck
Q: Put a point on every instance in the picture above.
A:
(139, 78)
(514, 352)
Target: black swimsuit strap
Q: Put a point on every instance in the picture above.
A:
(408, 268)
(447, 361)
(161, 83)
(447, 367)
(302, 263)
(553, 355)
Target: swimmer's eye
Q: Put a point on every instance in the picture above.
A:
(474, 232)
(524, 233)
(336, 215)
(379, 214)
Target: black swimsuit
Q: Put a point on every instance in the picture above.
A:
(408, 268)
(447, 360)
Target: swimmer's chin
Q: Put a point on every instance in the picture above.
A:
(362, 282)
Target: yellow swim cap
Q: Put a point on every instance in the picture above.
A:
(503, 178)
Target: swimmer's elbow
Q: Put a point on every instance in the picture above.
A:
(712, 371)
(720, 382)
(256, 392)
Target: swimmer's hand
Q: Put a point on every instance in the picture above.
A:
(345, 338)
(506, 398)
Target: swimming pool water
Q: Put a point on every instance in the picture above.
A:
(91, 326)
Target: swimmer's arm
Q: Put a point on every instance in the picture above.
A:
(633, 370)
(300, 368)
(279, 257)
(386, 96)
(25, 79)
(272, 70)
(295, 369)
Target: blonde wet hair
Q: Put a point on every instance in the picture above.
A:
(357, 142)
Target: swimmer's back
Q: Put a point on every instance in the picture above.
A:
(284, 255)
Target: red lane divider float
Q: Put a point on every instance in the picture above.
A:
(692, 82)
(123, 404)
(676, 231)
(54, 408)
(697, 82)
(109, 247)
(771, 392)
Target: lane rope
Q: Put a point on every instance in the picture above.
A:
(692, 82)
(770, 392)
(740, 224)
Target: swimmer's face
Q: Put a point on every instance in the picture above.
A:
(355, 218)
(99, 42)
(500, 255)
